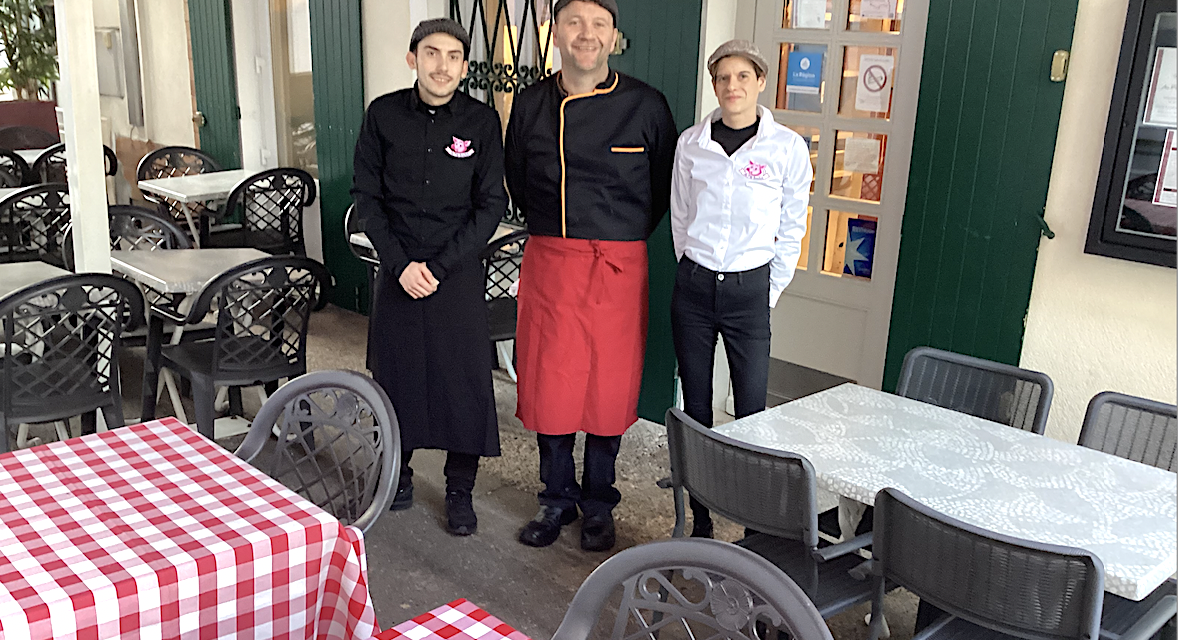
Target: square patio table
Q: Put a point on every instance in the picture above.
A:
(153, 531)
(458, 620)
(18, 275)
(175, 271)
(202, 187)
(1006, 480)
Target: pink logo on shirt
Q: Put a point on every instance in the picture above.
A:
(460, 148)
(754, 171)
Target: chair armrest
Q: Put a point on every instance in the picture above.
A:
(1150, 623)
(826, 554)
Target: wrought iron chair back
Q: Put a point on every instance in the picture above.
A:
(34, 222)
(691, 588)
(1134, 428)
(50, 166)
(14, 165)
(61, 340)
(21, 136)
(338, 443)
(271, 205)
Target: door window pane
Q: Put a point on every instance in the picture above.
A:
(882, 16)
(810, 135)
(800, 85)
(850, 245)
(867, 82)
(806, 14)
(858, 165)
(290, 22)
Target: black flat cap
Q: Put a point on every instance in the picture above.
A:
(440, 25)
(609, 5)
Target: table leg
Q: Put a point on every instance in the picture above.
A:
(151, 366)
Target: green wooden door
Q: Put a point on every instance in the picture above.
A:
(664, 52)
(985, 135)
(211, 28)
(338, 80)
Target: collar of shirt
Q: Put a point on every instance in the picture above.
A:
(609, 81)
(417, 103)
(704, 138)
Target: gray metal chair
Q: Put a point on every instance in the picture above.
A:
(172, 162)
(338, 443)
(773, 493)
(33, 224)
(692, 588)
(134, 228)
(502, 261)
(999, 392)
(271, 205)
(50, 166)
(1134, 428)
(989, 586)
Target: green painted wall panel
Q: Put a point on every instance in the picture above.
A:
(986, 124)
(338, 79)
(211, 30)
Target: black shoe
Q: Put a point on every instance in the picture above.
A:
(597, 533)
(404, 498)
(701, 528)
(460, 517)
(544, 529)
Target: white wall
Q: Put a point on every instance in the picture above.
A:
(722, 21)
(1094, 323)
(388, 24)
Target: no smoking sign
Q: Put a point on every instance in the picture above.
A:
(875, 78)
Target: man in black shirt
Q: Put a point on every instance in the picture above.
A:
(428, 188)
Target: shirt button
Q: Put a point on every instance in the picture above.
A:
(427, 181)
(720, 277)
(429, 150)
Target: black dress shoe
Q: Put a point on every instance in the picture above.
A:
(597, 533)
(404, 498)
(460, 517)
(701, 528)
(544, 529)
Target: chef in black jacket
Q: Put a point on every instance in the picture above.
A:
(428, 188)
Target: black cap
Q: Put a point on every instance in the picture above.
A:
(609, 5)
(440, 25)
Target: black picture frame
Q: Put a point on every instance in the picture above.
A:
(1136, 59)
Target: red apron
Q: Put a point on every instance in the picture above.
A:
(581, 336)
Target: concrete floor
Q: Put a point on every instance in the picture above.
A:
(414, 565)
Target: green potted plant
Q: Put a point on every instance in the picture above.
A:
(29, 42)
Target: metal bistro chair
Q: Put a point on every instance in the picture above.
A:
(61, 342)
(271, 205)
(990, 586)
(33, 224)
(999, 392)
(15, 166)
(50, 166)
(774, 493)
(21, 136)
(338, 443)
(1133, 428)
(691, 588)
(502, 260)
(263, 309)
(171, 162)
(134, 228)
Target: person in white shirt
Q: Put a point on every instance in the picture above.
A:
(738, 214)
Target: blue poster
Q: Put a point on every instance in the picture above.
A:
(805, 72)
(860, 247)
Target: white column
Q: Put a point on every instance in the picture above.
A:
(78, 93)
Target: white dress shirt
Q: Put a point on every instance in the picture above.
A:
(745, 211)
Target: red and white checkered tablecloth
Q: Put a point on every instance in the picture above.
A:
(459, 620)
(152, 531)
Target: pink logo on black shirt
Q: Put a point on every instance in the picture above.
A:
(460, 148)
(754, 171)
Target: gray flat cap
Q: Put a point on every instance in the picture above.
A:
(609, 5)
(440, 25)
(742, 48)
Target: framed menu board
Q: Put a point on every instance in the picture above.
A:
(1135, 212)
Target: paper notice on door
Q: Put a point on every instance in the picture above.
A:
(1166, 191)
(1161, 107)
(874, 92)
(861, 155)
(809, 14)
(878, 9)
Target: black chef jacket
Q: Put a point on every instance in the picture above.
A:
(594, 166)
(428, 187)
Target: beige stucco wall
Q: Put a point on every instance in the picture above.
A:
(387, 27)
(1094, 323)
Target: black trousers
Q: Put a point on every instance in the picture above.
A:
(460, 470)
(705, 306)
(596, 494)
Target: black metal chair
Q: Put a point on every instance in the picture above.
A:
(1134, 428)
(61, 340)
(691, 588)
(33, 224)
(338, 443)
(134, 228)
(988, 585)
(999, 392)
(21, 136)
(14, 165)
(271, 205)
(502, 260)
(773, 493)
(353, 225)
(171, 162)
(263, 309)
(50, 166)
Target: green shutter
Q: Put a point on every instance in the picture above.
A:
(216, 86)
(986, 123)
(338, 81)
